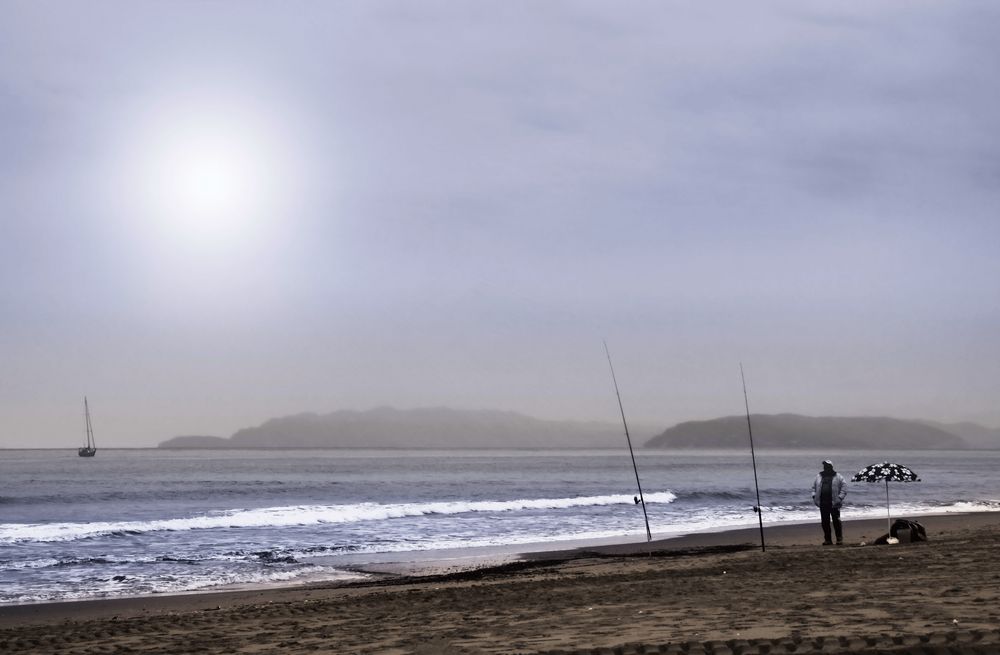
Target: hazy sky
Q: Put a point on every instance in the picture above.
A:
(214, 213)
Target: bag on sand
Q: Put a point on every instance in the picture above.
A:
(915, 530)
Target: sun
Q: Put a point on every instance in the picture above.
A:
(205, 174)
(208, 180)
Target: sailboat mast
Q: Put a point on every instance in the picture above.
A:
(90, 430)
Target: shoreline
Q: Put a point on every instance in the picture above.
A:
(701, 593)
(857, 533)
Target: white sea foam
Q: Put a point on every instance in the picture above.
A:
(302, 515)
(133, 586)
(16, 565)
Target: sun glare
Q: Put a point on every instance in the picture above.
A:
(207, 180)
(205, 174)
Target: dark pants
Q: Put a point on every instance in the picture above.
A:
(827, 512)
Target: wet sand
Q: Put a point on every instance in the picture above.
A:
(705, 593)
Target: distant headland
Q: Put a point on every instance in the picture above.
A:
(385, 427)
(434, 427)
(827, 432)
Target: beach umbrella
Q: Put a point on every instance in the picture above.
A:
(889, 472)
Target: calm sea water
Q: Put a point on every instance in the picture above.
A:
(138, 522)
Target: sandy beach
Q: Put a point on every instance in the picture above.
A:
(704, 593)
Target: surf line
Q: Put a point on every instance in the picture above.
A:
(628, 439)
(753, 458)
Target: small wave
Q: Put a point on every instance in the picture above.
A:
(48, 562)
(274, 557)
(739, 495)
(85, 561)
(714, 495)
(193, 489)
(973, 506)
(303, 515)
(258, 557)
(16, 565)
(140, 585)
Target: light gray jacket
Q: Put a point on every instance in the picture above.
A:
(838, 489)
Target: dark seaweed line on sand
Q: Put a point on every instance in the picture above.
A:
(520, 566)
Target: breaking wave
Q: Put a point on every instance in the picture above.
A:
(302, 515)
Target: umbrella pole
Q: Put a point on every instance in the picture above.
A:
(888, 518)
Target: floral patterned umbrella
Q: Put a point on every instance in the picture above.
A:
(886, 471)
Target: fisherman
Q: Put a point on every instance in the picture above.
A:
(829, 490)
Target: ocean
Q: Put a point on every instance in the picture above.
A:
(141, 522)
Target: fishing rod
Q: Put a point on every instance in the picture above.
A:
(753, 458)
(642, 501)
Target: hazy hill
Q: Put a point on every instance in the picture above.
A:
(795, 431)
(974, 435)
(385, 427)
(195, 441)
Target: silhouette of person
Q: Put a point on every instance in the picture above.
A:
(829, 490)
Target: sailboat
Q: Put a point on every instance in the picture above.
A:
(90, 449)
